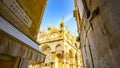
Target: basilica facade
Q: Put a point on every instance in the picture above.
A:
(61, 48)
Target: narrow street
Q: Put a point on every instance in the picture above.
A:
(59, 34)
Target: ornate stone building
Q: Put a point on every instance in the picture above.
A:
(61, 48)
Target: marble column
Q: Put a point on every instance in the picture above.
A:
(53, 59)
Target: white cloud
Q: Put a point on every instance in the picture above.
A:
(68, 18)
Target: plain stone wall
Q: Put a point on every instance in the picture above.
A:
(101, 45)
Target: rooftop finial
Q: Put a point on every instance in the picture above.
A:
(50, 27)
(62, 23)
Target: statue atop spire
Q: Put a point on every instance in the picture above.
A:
(62, 24)
(50, 27)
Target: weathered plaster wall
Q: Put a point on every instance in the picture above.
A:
(100, 45)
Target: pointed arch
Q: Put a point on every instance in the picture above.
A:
(46, 48)
(59, 48)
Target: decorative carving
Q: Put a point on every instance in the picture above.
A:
(18, 11)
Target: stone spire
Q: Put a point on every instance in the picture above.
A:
(62, 24)
(50, 27)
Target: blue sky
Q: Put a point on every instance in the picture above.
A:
(55, 11)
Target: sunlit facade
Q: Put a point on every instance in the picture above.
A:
(19, 25)
(60, 47)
